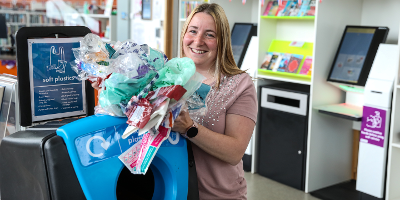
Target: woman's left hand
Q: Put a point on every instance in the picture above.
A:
(182, 122)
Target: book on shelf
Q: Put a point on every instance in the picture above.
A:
(269, 5)
(275, 61)
(271, 9)
(294, 63)
(271, 61)
(304, 8)
(281, 8)
(290, 8)
(311, 8)
(282, 67)
(295, 9)
(266, 61)
(307, 66)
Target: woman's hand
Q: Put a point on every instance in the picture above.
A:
(182, 122)
(95, 85)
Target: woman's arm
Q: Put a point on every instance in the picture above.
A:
(229, 147)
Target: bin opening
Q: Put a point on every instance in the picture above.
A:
(283, 101)
(135, 186)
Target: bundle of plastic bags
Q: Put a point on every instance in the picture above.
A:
(139, 83)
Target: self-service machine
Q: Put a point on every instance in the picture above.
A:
(63, 151)
(373, 146)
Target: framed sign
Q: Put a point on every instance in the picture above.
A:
(146, 9)
(57, 91)
(48, 87)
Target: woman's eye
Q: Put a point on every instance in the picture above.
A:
(192, 31)
(210, 35)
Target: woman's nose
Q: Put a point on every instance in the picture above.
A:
(199, 40)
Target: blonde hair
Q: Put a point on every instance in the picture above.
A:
(225, 63)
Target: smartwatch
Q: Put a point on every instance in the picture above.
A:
(192, 130)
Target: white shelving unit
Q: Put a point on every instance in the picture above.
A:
(393, 167)
(330, 139)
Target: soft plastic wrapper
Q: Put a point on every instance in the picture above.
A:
(149, 112)
(148, 149)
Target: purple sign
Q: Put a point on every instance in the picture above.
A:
(373, 126)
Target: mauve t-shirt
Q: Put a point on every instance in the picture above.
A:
(218, 179)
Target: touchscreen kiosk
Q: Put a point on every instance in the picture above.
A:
(49, 88)
(240, 39)
(356, 53)
(351, 67)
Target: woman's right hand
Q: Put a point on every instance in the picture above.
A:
(95, 85)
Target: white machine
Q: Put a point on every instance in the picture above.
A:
(375, 122)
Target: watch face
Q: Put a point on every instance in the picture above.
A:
(192, 132)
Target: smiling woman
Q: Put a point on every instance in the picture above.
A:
(200, 42)
(219, 137)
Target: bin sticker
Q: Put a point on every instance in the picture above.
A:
(103, 144)
(373, 126)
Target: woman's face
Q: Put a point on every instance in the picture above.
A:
(200, 40)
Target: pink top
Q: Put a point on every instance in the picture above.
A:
(218, 179)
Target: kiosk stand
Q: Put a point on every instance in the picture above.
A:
(73, 158)
(364, 68)
(371, 172)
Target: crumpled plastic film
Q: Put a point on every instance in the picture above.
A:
(177, 71)
(121, 88)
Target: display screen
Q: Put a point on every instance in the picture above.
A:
(239, 36)
(352, 54)
(55, 89)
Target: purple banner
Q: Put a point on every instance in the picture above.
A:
(373, 126)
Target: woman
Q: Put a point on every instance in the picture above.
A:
(219, 138)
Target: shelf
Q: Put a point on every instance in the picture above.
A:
(182, 19)
(343, 110)
(16, 23)
(283, 76)
(288, 17)
(45, 24)
(90, 15)
(12, 12)
(396, 145)
(7, 57)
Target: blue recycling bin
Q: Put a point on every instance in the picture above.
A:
(94, 144)
(80, 161)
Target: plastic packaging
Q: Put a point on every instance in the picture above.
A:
(138, 82)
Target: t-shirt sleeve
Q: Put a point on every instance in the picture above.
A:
(246, 99)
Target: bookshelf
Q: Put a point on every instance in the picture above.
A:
(18, 19)
(97, 22)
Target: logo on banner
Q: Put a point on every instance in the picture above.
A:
(374, 121)
(104, 145)
(373, 126)
(61, 64)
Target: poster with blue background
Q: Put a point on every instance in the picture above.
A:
(54, 85)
